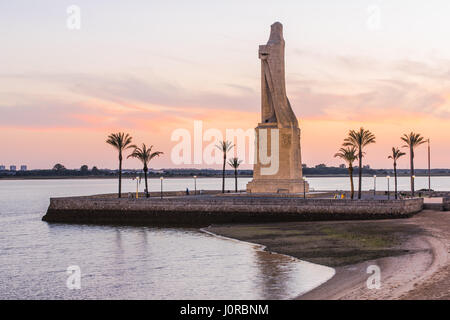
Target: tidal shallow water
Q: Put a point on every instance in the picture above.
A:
(132, 262)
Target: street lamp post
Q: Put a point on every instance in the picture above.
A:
(389, 190)
(429, 166)
(304, 187)
(195, 185)
(374, 185)
(161, 178)
(138, 180)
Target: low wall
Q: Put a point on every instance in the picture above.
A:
(156, 194)
(432, 194)
(203, 211)
(434, 206)
(446, 202)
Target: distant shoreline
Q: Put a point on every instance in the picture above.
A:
(191, 177)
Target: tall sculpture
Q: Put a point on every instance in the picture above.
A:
(278, 165)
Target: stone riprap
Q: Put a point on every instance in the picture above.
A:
(207, 210)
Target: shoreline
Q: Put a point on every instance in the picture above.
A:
(415, 268)
(398, 277)
(264, 248)
(115, 177)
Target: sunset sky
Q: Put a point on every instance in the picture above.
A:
(150, 67)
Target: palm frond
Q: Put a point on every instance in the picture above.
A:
(359, 139)
(225, 146)
(413, 140)
(349, 154)
(144, 154)
(396, 154)
(120, 141)
(235, 162)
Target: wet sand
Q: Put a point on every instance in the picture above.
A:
(412, 254)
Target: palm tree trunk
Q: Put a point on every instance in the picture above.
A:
(360, 173)
(352, 186)
(412, 170)
(146, 184)
(395, 176)
(120, 174)
(235, 180)
(223, 173)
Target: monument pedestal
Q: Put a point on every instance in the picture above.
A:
(277, 186)
(278, 166)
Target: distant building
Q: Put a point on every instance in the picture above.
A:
(12, 168)
(319, 166)
(2, 168)
(23, 168)
(343, 166)
(304, 166)
(366, 167)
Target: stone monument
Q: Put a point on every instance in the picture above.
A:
(278, 164)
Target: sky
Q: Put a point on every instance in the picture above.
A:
(152, 67)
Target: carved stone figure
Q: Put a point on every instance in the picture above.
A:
(275, 105)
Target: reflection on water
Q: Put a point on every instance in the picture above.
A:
(131, 262)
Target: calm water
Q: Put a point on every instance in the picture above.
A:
(132, 262)
(316, 183)
(343, 183)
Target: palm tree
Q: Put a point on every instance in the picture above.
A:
(145, 154)
(359, 139)
(396, 154)
(235, 163)
(121, 142)
(348, 154)
(412, 141)
(224, 146)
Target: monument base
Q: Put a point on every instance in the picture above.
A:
(277, 186)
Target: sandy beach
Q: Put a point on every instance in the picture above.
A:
(412, 254)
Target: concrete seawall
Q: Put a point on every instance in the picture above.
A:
(206, 210)
(446, 203)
